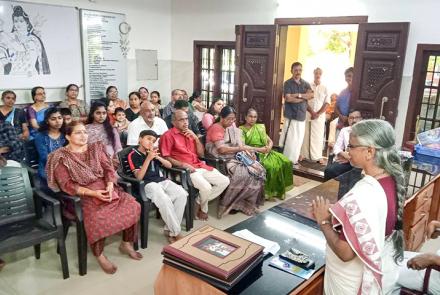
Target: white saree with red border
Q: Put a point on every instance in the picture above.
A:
(362, 214)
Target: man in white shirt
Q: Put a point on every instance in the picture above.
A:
(341, 162)
(146, 121)
(313, 143)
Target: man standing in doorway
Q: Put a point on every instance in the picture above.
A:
(296, 93)
(315, 123)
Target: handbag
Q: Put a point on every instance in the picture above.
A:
(244, 158)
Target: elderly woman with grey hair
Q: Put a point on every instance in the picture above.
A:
(364, 229)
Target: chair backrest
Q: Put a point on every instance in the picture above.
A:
(30, 154)
(16, 196)
(124, 167)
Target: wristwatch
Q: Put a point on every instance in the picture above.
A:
(299, 95)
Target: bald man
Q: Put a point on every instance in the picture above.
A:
(182, 148)
(146, 121)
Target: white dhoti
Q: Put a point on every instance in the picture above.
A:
(170, 198)
(313, 143)
(291, 138)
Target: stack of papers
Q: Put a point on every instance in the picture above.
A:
(269, 246)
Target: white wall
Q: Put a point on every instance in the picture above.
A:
(150, 23)
(215, 20)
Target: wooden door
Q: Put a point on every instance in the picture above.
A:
(378, 67)
(254, 73)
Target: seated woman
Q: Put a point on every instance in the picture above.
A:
(279, 177)
(199, 108)
(143, 93)
(100, 129)
(49, 138)
(14, 116)
(245, 192)
(212, 114)
(36, 111)
(362, 257)
(77, 107)
(85, 170)
(155, 100)
(134, 100)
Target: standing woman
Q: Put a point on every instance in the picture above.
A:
(245, 192)
(100, 129)
(279, 177)
(213, 112)
(37, 110)
(155, 100)
(77, 107)
(134, 100)
(143, 92)
(85, 170)
(14, 116)
(49, 138)
(362, 257)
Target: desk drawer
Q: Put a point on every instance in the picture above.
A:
(424, 195)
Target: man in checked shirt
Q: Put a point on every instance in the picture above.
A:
(11, 147)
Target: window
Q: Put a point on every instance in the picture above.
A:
(214, 69)
(424, 103)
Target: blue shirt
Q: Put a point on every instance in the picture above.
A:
(45, 145)
(343, 102)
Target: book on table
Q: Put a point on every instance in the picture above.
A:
(214, 252)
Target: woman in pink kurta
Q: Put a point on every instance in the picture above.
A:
(85, 170)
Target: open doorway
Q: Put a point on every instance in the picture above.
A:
(332, 49)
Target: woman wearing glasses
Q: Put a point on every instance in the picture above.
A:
(363, 230)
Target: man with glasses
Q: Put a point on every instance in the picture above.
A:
(341, 162)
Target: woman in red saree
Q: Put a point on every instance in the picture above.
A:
(85, 170)
(364, 229)
(245, 192)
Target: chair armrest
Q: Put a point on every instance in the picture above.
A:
(183, 173)
(136, 185)
(49, 202)
(126, 186)
(75, 200)
(435, 267)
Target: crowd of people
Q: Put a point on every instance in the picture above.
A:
(78, 146)
(77, 154)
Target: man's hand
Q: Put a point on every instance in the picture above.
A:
(422, 261)
(314, 115)
(189, 167)
(188, 133)
(343, 157)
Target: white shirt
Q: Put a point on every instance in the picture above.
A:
(342, 141)
(320, 96)
(138, 125)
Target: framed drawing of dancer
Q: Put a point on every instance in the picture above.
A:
(39, 45)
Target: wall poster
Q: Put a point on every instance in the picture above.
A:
(105, 45)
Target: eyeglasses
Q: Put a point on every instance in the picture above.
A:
(353, 146)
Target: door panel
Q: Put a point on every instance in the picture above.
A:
(378, 67)
(255, 47)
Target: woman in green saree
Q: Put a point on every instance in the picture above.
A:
(279, 178)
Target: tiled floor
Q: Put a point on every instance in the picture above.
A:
(25, 275)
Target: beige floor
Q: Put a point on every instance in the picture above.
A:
(24, 274)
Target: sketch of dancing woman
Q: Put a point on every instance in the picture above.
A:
(22, 52)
